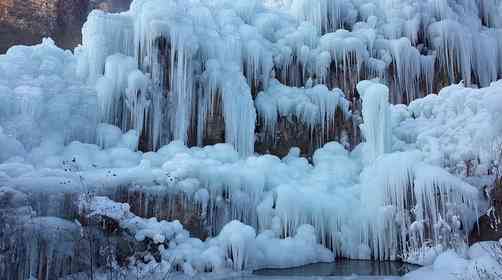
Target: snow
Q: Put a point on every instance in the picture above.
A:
(459, 125)
(237, 240)
(480, 263)
(286, 252)
(41, 97)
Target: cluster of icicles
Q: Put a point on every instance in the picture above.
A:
(183, 62)
(356, 207)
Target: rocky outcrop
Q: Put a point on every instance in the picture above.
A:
(28, 21)
(489, 226)
(111, 5)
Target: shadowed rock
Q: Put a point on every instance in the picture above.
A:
(28, 21)
(490, 224)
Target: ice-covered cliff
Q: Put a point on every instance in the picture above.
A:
(192, 110)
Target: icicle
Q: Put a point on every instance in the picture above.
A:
(256, 56)
(410, 194)
(207, 97)
(181, 81)
(136, 101)
(326, 100)
(314, 107)
(103, 35)
(408, 66)
(376, 115)
(428, 69)
(348, 52)
(376, 68)
(111, 87)
(454, 44)
(239, 113)
(442, 198)
(325, 15)
(485, 57)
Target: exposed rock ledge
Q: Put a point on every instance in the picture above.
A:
(28, 21)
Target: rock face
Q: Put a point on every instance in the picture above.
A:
(490, 224)
(28, 21)
(111, 5)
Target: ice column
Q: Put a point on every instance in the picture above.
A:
(376, 114)
(239, 114)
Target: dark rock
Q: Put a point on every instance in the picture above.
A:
(28, 21)
(490, 224)
(111, 5)
(124, 250)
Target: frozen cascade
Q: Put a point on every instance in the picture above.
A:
(240, 114)
(206, 108)
(180, 80)
(348, 51)
(102, 36)
(455, 50)
(410, 196)
(236, 247)
(136, 101)
(42, 99)
(168, 50)
(326, 15)
(174, 70)
(272, 193)
(412, 68)
(298, 41)
(377, 123)
(112, 86)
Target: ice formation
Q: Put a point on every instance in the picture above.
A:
(42, 99)
(480, 261)
(311, 106)
(273, 195)
(127, 118)
(185, 60)
(236, 247)
(185, 49)
(455, 128)
(376, 114)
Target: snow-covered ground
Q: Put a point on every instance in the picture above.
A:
(72, 123)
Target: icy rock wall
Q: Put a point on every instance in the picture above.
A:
(237, 247)
(419, 205)
(156, 73)
(459, 128)
(96, 237)
(36, 246)
(192, 52)
(415, 202)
